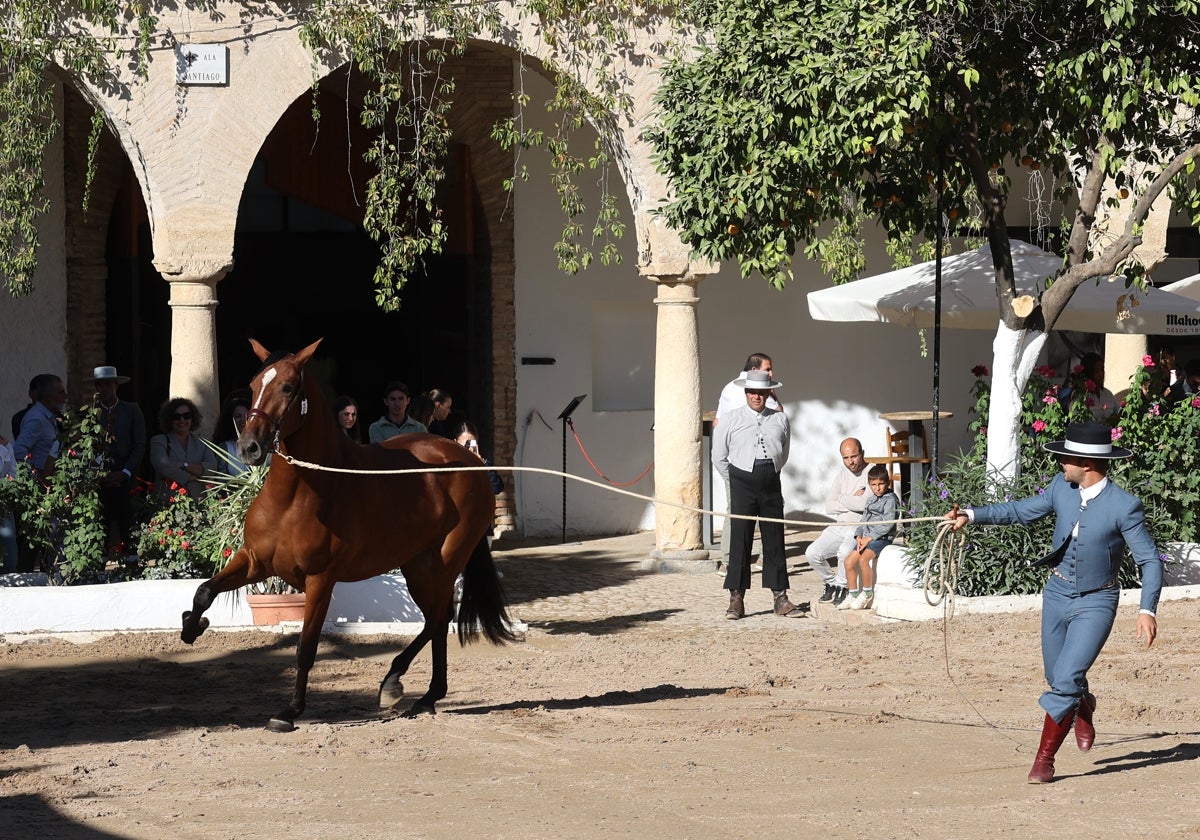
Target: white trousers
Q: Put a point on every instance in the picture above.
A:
(835, 541)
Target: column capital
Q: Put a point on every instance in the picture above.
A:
(194, 292)
(689, 278)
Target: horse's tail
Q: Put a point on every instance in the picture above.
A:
(482, 608)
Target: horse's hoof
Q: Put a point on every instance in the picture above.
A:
(189, 634)
(280, 725)
(418, 709)
(390, 693)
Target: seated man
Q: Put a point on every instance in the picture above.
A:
(845, 501)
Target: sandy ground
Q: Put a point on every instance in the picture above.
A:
(632, 709)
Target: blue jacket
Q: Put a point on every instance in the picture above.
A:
(1111, 521)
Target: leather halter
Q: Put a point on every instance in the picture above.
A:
(275, 424)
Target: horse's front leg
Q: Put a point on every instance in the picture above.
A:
(316, 606)
(236, 574)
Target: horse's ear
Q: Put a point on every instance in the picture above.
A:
(304, 355)
(259, 350)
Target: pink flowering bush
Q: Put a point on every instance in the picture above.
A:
(186, 537)
(1165, 469)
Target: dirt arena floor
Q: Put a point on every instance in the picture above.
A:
(632, 709)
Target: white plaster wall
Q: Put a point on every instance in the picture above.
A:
(33, 329)
(837, 377)
(556, 316)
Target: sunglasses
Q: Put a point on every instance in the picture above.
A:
(183, 415)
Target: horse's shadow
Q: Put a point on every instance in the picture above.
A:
(636, 697)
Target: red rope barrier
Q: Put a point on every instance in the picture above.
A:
(588, 458)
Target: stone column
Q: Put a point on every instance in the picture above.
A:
(194, 343)
(677, 428)
(1122, 359)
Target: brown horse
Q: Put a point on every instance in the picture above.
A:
(314, 528)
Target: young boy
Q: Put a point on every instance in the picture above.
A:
(870, 539)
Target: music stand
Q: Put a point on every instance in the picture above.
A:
(564, 417)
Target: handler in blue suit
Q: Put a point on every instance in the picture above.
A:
(1096, 521)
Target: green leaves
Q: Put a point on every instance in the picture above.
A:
(867, 102)
(32, 38)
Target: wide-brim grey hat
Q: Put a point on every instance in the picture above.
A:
(106, 372)
(757, 380)
(1088, 440)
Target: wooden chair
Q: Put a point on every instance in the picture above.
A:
(900, 458)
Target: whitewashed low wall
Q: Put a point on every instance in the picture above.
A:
(382, 602)
(898, 597)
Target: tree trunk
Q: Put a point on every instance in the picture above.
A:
(1014, 353)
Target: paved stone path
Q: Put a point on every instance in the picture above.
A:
(601, 584)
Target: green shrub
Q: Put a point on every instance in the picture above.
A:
(1164, 473)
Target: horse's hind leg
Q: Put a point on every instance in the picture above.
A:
(235, 574)
(391, 690)
(437, 683)
(431, 586)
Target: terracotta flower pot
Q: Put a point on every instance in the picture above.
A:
(272, 609)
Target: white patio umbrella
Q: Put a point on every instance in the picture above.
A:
(1188, 287)
(906, 297)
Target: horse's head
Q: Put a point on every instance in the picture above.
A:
(277, 402)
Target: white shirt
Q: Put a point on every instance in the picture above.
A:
(748, 435)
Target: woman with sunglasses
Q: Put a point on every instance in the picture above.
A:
(179, 457)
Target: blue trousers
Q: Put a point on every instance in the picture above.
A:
(1074, 629)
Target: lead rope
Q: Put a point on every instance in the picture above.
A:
(942, 585)
(941, 578)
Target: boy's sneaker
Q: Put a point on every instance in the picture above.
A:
(864, 601)
(827, 595)
(849, 603)
(839, 594)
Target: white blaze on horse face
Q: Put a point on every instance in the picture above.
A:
(267, 377)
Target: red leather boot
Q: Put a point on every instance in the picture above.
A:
(1085, 733)
(1053, 734)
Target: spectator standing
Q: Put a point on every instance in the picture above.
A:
(733, 396)
(124, 448)
(442, 404)
(346, 410)
(750, 448)
(395, 420)
(226, 432)
(1098, 399)
(420, 408)
(8, 527)
(38, 438)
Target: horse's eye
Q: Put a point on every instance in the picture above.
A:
(287, 389)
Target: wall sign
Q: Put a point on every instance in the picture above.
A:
(202, 64)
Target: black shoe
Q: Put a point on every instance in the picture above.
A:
(839, 595)
(827, 595)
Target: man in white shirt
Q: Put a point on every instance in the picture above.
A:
(733, 396)
(845, 502)
(749, 449)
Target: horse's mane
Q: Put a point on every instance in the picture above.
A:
(277, 356)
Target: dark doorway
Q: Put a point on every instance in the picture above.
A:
(303, 269)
